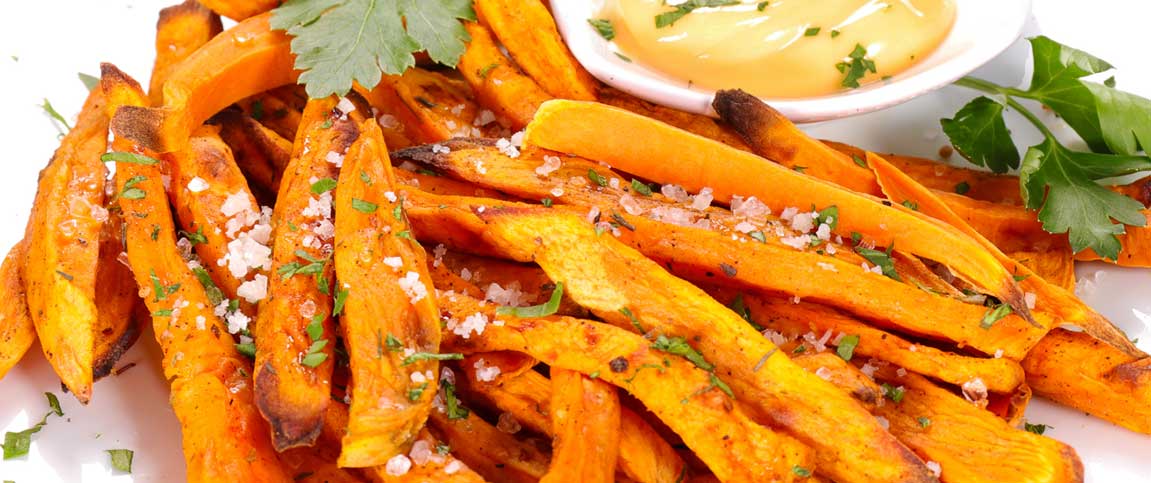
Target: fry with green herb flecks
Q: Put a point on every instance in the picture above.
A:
(389, 316)
(496, 81)
(607, 277)
(17, 332)
(295, 334)
(528, 31)
(432, 107)
(211, 390)
(218, 74)
(592, 131)
(699, 406)
(63, 248)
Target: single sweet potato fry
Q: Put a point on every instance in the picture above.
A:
(240, 9)
(830, 367)
(273, 113)
(775, 137)
(497, 82)
(526, 28)
(1080, 371)
(643, 455)
(17, 332)
(969, 444)
(388, 303)
(261, 154)
(120, 312)
(794, 320)
(211, 390)
(63, 247)
(622, 286)
(1048, 299)
(585, 428)
(693, 123)
(218, 74)
(295, 332)
(180, 30)
(698, 406)
(571, 127)
(432, 107)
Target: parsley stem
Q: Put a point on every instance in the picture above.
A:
(1008, 99)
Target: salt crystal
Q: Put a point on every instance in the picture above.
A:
(440, 149)
(398, 465)
(235, 203)
(934, 468)
(508, 424)
(345, 106)
(394, 262)
(453, 467)
(803, 222)
(675, 192)
(412, 286)
(335, 158)
(254, 290)
(702, 201)
(472, 323)
(1029, 298)
(484, 118)
(507, 148)
(823, 373)
(827, 266)
(197, 184)
(484, 372)
(551, 164)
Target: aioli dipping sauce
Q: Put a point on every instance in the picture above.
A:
(779, 48)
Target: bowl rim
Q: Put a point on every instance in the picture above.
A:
(983, 29)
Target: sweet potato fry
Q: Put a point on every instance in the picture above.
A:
(974, 184)
(620, 285)
(497, 82)
(775, 137)
(294, 330)
(17, 332)
(644, 456)
(180, 31)
(527, 30)
(571, 127)
(969, 444)
(533, 285)
(794, 320)
(395, 302)
(218, 74)
(240, 9)
(273, 113)
(832, 368)
(586, 427)
(696, 407)
(433, 107)
(211, 393)
(120, 312)
(492, 453)
(63, 247)
(693, 123)
(1049, 299)
(1077, 370)
(261, 154)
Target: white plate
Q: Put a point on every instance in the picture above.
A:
(983, 29)
(54, 39)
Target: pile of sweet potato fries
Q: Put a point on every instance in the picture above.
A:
(392, 286)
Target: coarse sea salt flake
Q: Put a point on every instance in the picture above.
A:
(398, 465)
(413, 287)
(197, 184)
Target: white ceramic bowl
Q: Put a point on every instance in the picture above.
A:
(983, 29)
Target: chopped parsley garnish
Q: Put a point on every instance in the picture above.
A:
(542, 310)
(758, 236)
(364, 206)
(679, 346)
(215, 295)
(923, 421)
(17, 443)
(740, 307)
(323, 186)
(603, 27)
(596, 178)
(1036, 428)
(123, 157)
(64, 275)
(668, 19)
(393, 344)
(51, 111)
(894, 393)
(483, 73)
(315, 355)
(828, 216)
(443, 449)
(131, 192)
(801, 471)
(962, 187)
(994, 314)
(431, 356)
(415, 392)
(337, 42)
(452, 403)
(855, 67)
(341, 299)
(811, 32)
(90, 81)
(315, 266)
(632, 318)
(248, 349)
(880, 259)
(834, 34)
(846, 347)
(195, 238)
(398, 212)
(858, 161)
(547, 202)
(161, 292)
(640, 187)
(911, 205)
(121, 459)
(761, 6)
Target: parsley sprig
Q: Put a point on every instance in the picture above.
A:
(337, 42)
(1059, 182)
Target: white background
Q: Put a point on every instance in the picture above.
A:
(43, 44)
